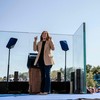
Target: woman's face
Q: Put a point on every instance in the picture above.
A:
(44, 35)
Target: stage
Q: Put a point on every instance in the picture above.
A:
(95, 96)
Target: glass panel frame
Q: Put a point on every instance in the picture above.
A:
(79, 57)
(76, 55)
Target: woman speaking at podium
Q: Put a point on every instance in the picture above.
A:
(44, 59)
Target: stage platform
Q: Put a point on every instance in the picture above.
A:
(95, 96)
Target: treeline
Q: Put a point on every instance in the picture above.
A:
(90, 72)
(21, 76)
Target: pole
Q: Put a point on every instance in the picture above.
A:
(65, 66)
(8, 70)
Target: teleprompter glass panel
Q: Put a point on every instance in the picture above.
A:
(75, 56)
(79, 55)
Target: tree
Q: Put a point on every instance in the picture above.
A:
(91, 71)
(4, 78)
(68, 72)
(0, 78)
(88, 68)
(89, 79)
(24, 76)
(54, 75)
(62, 70)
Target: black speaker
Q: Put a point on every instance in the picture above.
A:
(73, 81)
(78, 81)
(22, 87)
(58, 76)
(16, 76)
(60, 87)
(31, 59)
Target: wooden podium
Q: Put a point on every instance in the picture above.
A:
(34, 80)
(34, 74)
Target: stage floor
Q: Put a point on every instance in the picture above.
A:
(48, 97)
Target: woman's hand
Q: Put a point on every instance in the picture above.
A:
(35, 38)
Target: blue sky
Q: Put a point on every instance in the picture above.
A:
(55, 16)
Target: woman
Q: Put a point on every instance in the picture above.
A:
(44, 59)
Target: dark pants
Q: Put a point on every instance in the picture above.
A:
(45, 78)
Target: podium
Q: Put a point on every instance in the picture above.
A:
(65, 48)
(34, 74)
(34, 80)
(31, 60)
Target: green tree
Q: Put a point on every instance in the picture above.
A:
(94, 70)
(90, 80)
(88, 68)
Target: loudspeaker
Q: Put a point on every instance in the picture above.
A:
(60, 87)
(78, 81)
(58, 76)
(73, 81)
(16, 76)
(22, 87)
